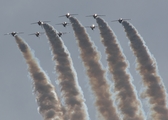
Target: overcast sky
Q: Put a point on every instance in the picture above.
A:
(17, 101)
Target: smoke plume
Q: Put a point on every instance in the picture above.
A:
(49, 104)
(128, 103)
(95, 72)
(146, 65)
(71, 92)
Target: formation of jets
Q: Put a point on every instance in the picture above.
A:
(68, 15)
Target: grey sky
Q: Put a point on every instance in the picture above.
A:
(148, 17)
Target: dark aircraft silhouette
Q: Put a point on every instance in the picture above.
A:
(13, 33)
(92, 26)
(61, 33)
(37, 34)
(40, 22)
(68, 15)
(94, 16)
(64, 24)
(120, 20)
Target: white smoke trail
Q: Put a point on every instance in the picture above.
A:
(95, 72)
(147, 67)
(71, 91)
(128, 103)
(49, 104)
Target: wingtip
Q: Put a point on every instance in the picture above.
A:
(114, 20)
(61, 15)
(34, 23)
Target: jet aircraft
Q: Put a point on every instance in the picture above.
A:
(13, 33)
(40, 22)
(61, 33)
(92, 26)
(120, 20)
(64, 24)
(68, 15)
(37, 34)
(94, 16)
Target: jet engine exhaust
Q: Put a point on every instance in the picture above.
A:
(48, 102)
(71, 91)
(147, 67)
(128, 104)
(96, 74)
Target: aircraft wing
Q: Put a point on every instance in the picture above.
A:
(41, 21)
(89, 16)
(126, 19)
(46, 21)
(73, 14)
(34, 23)
(101, 15)
(7, 33)
(59, 24)
(16, 33)
(62, 16)
(114, 20)
(19, 32)
(33, 34)
(41, 32)
(65, 32)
